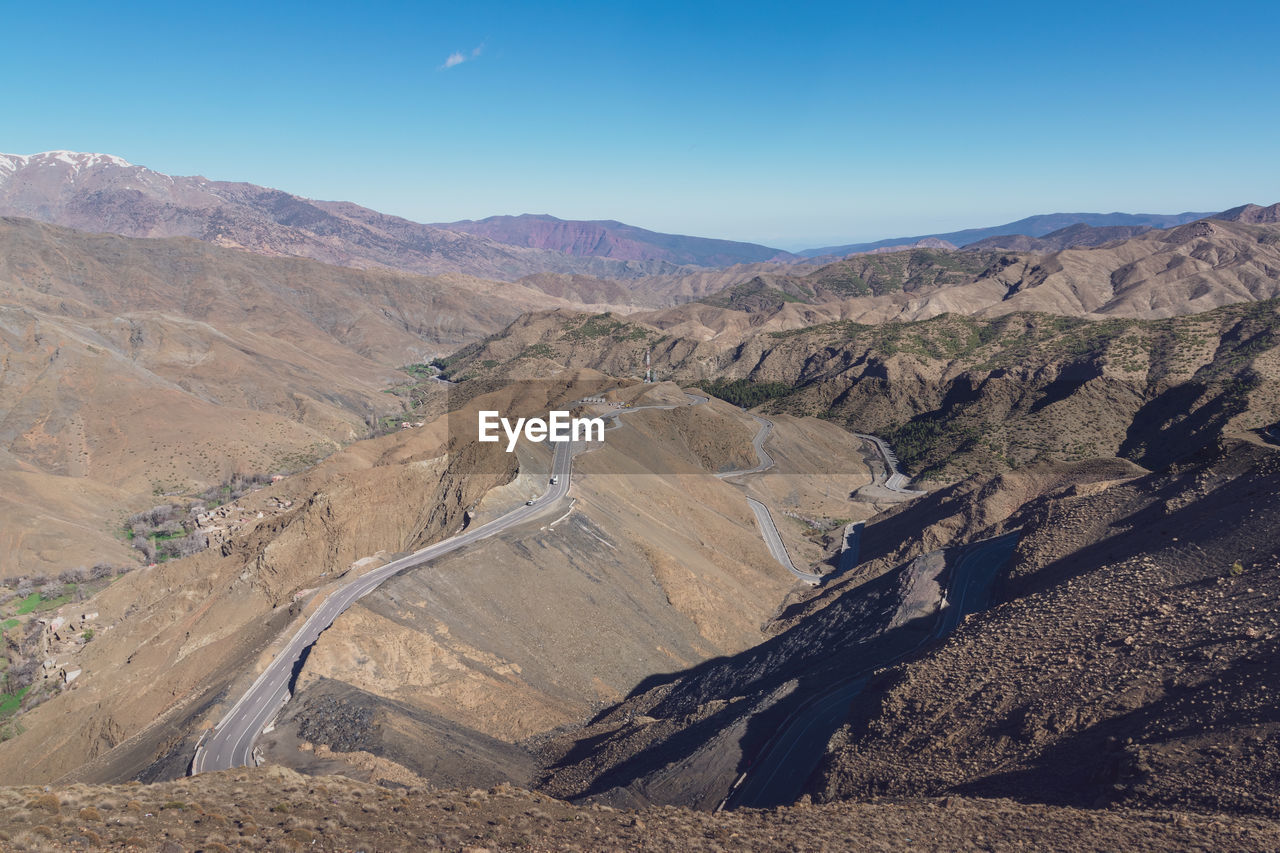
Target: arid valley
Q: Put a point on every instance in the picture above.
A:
(345, 506)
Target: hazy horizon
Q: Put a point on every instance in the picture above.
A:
(823, 125)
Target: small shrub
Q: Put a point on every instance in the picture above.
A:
(90, 813)
(1236, 570)
(47, 802)
(174, 804)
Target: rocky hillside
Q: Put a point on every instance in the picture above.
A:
(103, 193)
(1071, 237)
(1155, 274)
(955, 394)
(1125, 661)
(132, 368)
(1031, 226)
(610, 239)
(1130, 660)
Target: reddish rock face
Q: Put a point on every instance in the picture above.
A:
(102, 193)
(610, 239)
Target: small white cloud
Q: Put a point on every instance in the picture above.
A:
(458, 57)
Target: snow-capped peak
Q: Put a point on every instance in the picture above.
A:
(77, 160)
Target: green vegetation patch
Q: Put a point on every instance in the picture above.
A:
(537, 351)
(602, 326)
(29, 604)
(9, 702)
(909, 270)
(420, 371)
(743, 392)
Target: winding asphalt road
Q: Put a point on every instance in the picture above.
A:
(774, 541)
(896, 481)
(768, 529)
(231, 742)
(764, 460)
(786, 762)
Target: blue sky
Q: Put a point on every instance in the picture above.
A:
(794, 124)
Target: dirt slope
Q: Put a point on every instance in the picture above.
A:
(656, 568)
(133, 368)
(172, 642)
(273, 807)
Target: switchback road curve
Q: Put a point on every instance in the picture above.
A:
(231, 743)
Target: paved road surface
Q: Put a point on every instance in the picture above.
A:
(764, 518)
(774, 541)
(788, 760)
(764, 460)
(896, 481)
(851, 549)
(232, 742)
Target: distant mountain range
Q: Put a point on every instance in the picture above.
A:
(105, 193)
(1078, 236)
(612, 239)
(1032, 226)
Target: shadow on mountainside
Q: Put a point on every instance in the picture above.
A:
(1156, 755)
(1137, 667)
(688, 746)
(1170, 427)
(1230, 488)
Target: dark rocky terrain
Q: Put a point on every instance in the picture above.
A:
(1131, 658)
